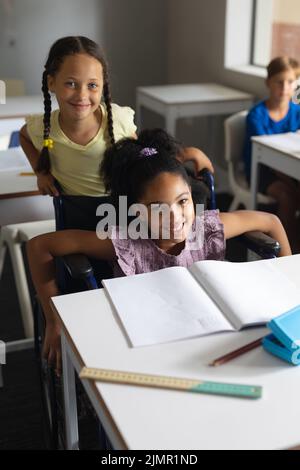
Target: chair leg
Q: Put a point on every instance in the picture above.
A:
(234, 205)
(22, 287)
(2, 254)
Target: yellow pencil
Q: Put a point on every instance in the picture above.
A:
(27, 173)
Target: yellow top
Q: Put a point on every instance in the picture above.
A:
(76, 167)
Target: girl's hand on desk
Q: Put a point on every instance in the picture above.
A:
(52, 346)
(46, 184)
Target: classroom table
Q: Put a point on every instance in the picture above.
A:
(22, 106)
(280, 152)
(16, 191)
(147, 418)
(188, 101)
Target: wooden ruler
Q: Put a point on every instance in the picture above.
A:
(171, 383)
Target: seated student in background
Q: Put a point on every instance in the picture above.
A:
(275, 115)
(147, 171)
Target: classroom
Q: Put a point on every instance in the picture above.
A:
(149, 227)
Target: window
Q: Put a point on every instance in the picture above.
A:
(276, 30)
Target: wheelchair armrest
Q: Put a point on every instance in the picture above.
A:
(78, 266)
(260, 243)
(208, 178)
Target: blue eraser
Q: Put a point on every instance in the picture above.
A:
(274, 346)
(286, 328)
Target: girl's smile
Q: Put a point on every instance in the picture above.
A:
(169, 191)
(78, 86)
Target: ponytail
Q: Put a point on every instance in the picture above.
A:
(107, 101)
(44, 164)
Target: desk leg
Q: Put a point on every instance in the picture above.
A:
(69, 393)
(138, 113)
(254, 177)
(171, 119)
(16, 255)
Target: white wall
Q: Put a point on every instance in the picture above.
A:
(33, 26)
(147, 42)
(135, 39)
(132, 32)
(196, 34)
(196, 45)
(287, 11)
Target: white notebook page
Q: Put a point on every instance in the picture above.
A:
(248, 293)
(163, 306)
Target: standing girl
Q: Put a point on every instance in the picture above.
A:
(147, 172)
(67, 145)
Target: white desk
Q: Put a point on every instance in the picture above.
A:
(21, 106)
(145, 418)
(16, 191)
(280, 152)
(184, 101)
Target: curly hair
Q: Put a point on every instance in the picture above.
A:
(126, 170)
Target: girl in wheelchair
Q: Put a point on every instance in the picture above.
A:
(147, 171)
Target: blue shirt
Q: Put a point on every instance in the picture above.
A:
(260, 123)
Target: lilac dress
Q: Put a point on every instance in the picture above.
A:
(142, 256)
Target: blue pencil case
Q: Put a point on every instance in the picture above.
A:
(284, 341)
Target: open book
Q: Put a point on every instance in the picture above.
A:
(211, 296)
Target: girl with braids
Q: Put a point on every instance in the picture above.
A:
(68, 144)
(146, 171)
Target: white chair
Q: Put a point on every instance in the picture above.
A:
(7, 126)
(14, 86)
(12, 237)
(235, 131)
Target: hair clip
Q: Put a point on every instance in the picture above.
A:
(48, 143)
(148, 152)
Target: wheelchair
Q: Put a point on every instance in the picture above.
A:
(76, 273)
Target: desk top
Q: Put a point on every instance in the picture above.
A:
(21, 106)
(13, 162)
(193, 93)
(288, 143)
(162, 419)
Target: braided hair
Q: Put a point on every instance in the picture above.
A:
(63, 47)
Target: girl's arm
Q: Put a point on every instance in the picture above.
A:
(41, 252)
(198, 157)
(45, 182)
(239, 222)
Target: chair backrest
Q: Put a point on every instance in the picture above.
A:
(235, 129)
(79, 212)
(8, 128)
(14, 86)
(14, 140)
